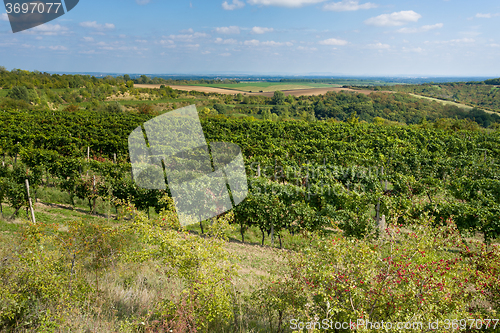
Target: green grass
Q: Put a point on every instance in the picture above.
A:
(4, 92)
(9, 227)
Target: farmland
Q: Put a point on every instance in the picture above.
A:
(261, 89)
(272, 86)
(324, 172)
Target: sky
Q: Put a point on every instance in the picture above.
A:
(275, 37)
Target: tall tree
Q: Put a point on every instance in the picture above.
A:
(278, 98)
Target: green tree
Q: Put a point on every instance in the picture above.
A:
(207, 111)
(278, 98)
(20, 93)
(353, 120)
(266, 114)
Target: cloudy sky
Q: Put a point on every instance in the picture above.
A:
(345, 37)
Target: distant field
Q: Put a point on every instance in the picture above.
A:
(269, 86)
(304, 90)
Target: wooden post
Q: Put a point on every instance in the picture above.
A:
(94, 200)
(88, 158)
(272, 234)
(30, 202)
(15, 156)
(382, 226)
(378, 212)
(274, 175)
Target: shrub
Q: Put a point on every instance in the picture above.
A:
(418, 274)
(19, 93)
(37, 287)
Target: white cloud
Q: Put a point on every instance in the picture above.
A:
(453, 41)
(306, 48)
(225, 41)
(333, 41)
(95, 25)
(141, 41)
(47, 29)
(228, 30)
(167, 43)
(348, 5)
(488, 15)
(424, 28)
(58, 48)
(236, 4)
(495, 45)
(413, 49)
(379, 46)
(142, 2)
(284, 3)
(261, 30)
(88, 39)
(272, 43)
(253, 42)
(394, 19)
(4, 17)
(227, 54)
(189, 37)
(462, 40)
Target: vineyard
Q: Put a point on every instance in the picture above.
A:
(359, 220)
(325, 171)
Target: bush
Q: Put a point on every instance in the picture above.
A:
(145, 109)
(420, 274)
(19, 93)
(37, 284)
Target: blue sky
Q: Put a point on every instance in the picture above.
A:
(344, 37)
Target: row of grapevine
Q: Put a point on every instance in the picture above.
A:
(301, 175)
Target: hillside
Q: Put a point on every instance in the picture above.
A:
(337, 213)
(42, 91)
(484, 95)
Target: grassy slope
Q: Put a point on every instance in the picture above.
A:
(462, 106)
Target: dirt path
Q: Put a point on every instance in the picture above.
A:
(297, 92)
